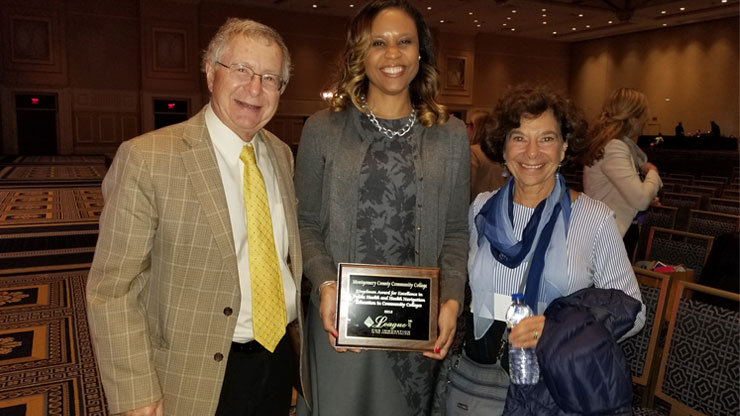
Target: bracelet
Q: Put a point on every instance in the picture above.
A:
(326, 283)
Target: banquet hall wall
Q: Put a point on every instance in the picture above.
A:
(106, 61)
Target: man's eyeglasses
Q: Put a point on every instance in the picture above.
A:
(270, 82)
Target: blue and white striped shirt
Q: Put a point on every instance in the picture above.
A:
(596, 253)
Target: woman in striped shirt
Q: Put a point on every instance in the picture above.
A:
(534, 235)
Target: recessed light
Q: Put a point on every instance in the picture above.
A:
(315, 6)
(572, 28)
(665, 24)
(441, 20)
(513, 30)
(351, 5)
(554, 33)
(610, 22)
(668, 100)
(544, 10)
(508, 18)
(475, 21)
(477, 25)
(470, 13)
(544, 15)
(663, 12)
(544, 23)
(580, 14)
(429, 7)
(588, 26)
(513, 10)
(682, 8)
(504, 25)
(724, 1)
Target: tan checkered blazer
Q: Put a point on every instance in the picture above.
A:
(165, 271)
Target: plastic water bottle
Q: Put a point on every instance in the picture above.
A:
(523, 366)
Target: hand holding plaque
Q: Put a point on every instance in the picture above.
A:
(387, 307)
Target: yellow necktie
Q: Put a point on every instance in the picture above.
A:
(268, 301)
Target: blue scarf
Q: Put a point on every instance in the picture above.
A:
(495, 223)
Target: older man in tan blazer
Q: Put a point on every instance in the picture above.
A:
(176, 294)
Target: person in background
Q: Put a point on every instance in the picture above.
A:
(382, 178)
(485, 174)
(193, 295)
(616, 171)
(679, 130)
(534, 231)
(714, 129)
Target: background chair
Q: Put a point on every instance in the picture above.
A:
(727, 206)
(712, 223)
(700, 368)
(640, 350)
(678, 247)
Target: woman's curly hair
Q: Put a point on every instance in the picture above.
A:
(620, 108)
(352, 81)
(531, 101)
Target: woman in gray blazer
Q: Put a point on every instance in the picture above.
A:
(382, 177)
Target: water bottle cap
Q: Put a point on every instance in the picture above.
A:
(517, 296)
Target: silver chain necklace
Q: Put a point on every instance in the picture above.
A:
(386, 131)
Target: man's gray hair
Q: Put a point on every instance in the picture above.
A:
(248, 28)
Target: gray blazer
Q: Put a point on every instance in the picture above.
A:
(327, 172)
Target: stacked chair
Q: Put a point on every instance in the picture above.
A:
(699, 371)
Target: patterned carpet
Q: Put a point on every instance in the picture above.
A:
(49, 211)
(44, 175)
(47, 365)
(49, 205)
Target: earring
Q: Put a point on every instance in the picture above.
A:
(420, 57)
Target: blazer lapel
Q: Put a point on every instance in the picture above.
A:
(204, 175)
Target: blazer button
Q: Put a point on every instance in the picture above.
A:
(418, 228)
(218, 357)
(228, 311)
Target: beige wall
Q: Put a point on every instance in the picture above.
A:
(108, 59)
(695, 66)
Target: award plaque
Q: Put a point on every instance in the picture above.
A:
(387, 307)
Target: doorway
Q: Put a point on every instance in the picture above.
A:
(36, 120)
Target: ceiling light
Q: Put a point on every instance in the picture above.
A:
(663, 12)
(544, 15)
(572, 28)
(682, 8)
(588, 26)
(544, 10)
(667, 100)
(665, 24)
(513, 10)
(610, 22)
(512, 29)
(429, 7)
(724, 1)
(475, 21)
(441, 20)
(477, 25)
(508, 18)
(580, 14)
(351, 5)
(315, 6)
(470, 13)
(504, 25)
(544, 23)
(554, 33)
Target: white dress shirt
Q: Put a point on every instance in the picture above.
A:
(228, 146)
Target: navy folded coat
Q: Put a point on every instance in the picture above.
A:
(583, 369)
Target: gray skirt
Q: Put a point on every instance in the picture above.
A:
(371, 383)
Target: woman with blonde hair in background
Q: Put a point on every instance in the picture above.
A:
(616, 171)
